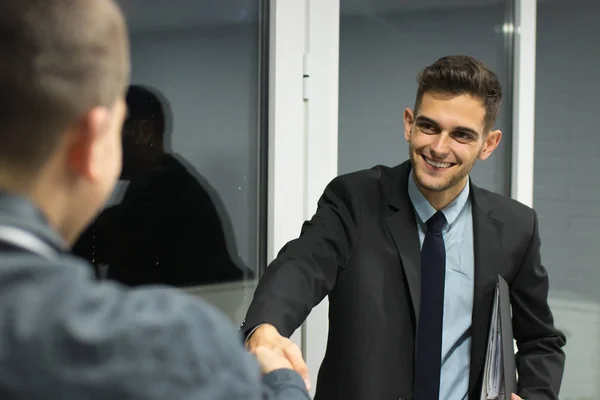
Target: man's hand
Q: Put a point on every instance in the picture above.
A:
(266, 342)
(515, 397)
(270, 360)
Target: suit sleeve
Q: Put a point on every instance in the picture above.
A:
(540, 359)
(306, 269)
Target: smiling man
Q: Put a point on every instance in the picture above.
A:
(409, 258)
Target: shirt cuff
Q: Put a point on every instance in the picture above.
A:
(251, 332)
(283, 379)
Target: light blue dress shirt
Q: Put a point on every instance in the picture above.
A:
(459, 286)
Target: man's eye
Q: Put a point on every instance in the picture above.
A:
(428, 128)
(463, 135)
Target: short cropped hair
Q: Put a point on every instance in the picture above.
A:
(462, 75)
(58, 60)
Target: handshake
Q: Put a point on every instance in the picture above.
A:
(274, 352)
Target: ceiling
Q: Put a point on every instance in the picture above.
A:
(143, 15)
(164, 14)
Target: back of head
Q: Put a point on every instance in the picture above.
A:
(462, 75)
(58, 60)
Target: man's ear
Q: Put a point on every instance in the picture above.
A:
(490, 143)
(409, 120)
(85, 143)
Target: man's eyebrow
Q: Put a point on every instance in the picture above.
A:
(422, 118)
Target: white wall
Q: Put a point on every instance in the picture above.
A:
(567, 181)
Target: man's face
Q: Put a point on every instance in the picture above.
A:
(446, 138)
(140, 142)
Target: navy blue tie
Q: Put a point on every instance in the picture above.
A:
(428, 350)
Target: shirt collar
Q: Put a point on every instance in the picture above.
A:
(425, 210)
(20, 212)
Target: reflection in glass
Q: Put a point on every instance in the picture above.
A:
(168, 227)
(204, 192)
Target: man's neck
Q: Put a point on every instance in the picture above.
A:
(440, 200)
(16, 181)
(43, 191)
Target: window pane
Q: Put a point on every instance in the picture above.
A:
(383, 46)
(186, 211)
(567, 181)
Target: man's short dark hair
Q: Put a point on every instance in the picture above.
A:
(58, 59)
(462, 75)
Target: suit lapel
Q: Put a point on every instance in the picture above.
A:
(487, 236)
(402, 225)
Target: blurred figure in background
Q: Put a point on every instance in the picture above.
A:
(166, 229)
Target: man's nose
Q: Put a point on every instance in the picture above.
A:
(440, 147)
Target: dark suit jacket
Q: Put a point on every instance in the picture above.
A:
(362, 249)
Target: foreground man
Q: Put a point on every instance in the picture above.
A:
(409, 257)
(64, 67)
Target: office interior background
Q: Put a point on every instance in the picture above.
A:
(271, 99)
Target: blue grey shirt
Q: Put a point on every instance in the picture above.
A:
(64, 335)
(459, 287)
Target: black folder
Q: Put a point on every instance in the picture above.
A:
(500, 373)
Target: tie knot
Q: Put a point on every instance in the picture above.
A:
(436, 222)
